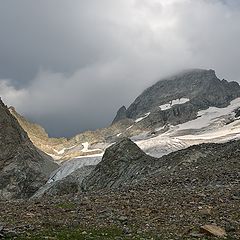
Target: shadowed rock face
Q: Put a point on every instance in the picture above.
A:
(23, 168)
(68, 185)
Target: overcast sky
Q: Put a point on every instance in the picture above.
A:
(70, 64)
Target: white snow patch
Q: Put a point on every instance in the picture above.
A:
(85, 148)
(63, 150)
(118, 135)
(159, 129)
(223, 133)
(129, 127)
(141, 118)
(174, 102)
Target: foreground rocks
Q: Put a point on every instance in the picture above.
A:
(163, 211)
(213, 230)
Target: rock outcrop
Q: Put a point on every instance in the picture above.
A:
(122, 163)
(23, 168)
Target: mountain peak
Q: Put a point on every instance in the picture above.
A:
(121, 114)
(198, 85)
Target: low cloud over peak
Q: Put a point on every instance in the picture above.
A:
(69, 65)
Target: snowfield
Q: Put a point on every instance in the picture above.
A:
(173, 102)
(63, 150)
(141, 118)
(210, 116)
(86, 150)
(212, 125)
(129, 127)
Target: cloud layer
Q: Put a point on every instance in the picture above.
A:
(70, 65)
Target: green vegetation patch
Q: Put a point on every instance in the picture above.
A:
(79, 234)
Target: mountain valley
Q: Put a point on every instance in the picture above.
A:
(168, 167)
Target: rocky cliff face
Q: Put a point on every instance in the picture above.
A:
(23, 168)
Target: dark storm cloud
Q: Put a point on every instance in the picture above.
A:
(59, 35)
(69, 64)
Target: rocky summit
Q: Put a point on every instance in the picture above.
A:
(201, 87)
(178, 99)
(23, 168)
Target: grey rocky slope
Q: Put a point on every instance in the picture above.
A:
(121, 114)
(174, 197)
(70, 184)
(202, 87)
(125, 164)
(199, 165)
(23, 168)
